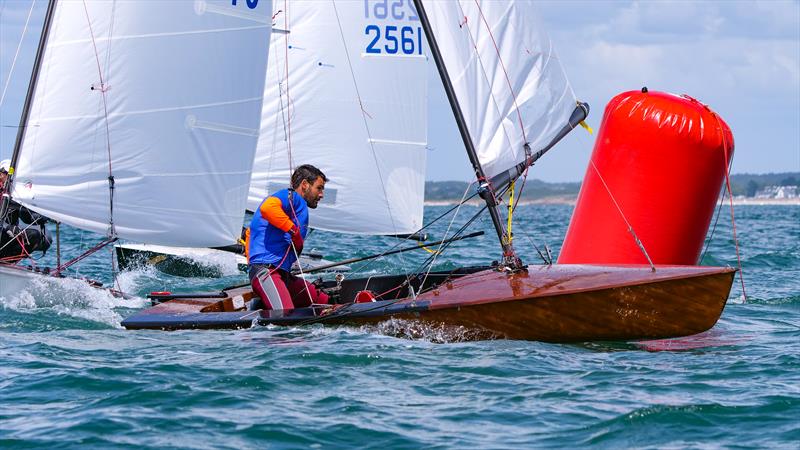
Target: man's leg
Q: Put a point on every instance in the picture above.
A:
(272, 290)
(304, 293)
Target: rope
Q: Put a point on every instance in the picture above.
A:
(84, 255)
(16, 54)
(510, 209)
(630, 227)
(286, 78)
(291, 245)
(439, 250)
(457, 206)
(730, 197)
(16, 236)
(343, 311)
(112, 231)
(714, 228)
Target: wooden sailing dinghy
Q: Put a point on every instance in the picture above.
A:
(512, 103)
(558, 303)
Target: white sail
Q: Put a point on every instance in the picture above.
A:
(183, 83)
(352, 100)
(507, 78)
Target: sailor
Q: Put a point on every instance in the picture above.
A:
(277, 233)
(17, 242)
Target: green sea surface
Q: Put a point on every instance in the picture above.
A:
(71, 377)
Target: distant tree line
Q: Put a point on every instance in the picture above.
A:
(749, 184)
(741, 184)
(533, 189)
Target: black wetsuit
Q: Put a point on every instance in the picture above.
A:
(16, 241)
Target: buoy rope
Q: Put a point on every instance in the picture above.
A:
(730, 198)
(622, 214)
(716, 221)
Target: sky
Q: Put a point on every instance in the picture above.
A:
(742, 58)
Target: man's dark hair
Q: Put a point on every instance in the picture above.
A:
(306, 172)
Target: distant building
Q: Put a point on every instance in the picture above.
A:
(777, 192)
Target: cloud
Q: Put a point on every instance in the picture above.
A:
(673, 21)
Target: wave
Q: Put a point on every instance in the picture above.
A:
(72, 298)
(418, 330)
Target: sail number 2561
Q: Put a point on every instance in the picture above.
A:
(406, 39)
(392, 39)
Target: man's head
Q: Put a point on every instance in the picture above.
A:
(309, 182)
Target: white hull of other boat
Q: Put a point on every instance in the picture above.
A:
(15, 279)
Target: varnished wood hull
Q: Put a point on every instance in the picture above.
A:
(559, 303)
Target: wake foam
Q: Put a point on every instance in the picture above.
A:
(224, 264)
(70, 297)
(433, 332)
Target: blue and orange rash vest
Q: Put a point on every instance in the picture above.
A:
(269, 237)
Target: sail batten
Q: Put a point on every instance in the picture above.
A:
(183, 87)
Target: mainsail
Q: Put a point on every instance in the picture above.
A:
(346, 91)
(509, 82)
(152, 107)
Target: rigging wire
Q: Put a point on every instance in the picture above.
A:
(343, 311)
(630, 227)
(16, 54)
(286, 78)
(444, 214)
(112, 233)
(438, 250)
(338, 312)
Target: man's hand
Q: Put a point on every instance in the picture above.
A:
(297, 239)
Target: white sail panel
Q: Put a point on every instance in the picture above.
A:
(183, 82)
(353, 102)
(507, 77)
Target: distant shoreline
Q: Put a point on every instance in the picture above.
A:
(570, 200)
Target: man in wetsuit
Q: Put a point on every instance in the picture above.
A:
(17, 242)
(277, 232)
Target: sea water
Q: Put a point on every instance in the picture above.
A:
(72, 377)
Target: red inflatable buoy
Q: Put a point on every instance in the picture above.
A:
(659, 162)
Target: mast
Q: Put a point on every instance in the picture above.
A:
(485, 189)
(26, 108)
